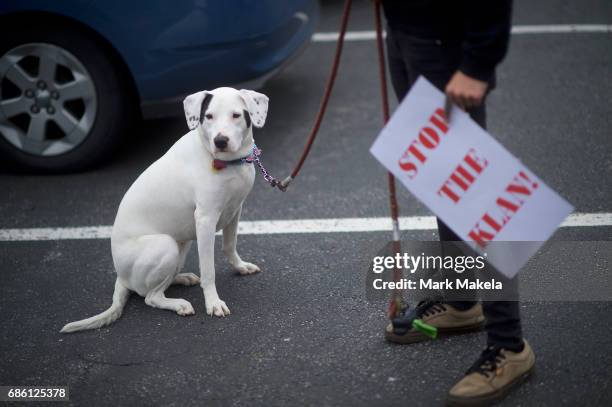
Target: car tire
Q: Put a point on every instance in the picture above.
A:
(64, 106)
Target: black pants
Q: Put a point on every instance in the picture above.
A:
(438, 60)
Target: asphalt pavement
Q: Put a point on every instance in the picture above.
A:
(302, 332)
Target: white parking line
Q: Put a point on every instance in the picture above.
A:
(517, 29)
(274, 227)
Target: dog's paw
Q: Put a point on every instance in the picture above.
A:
(185, 308)
(245, 268)
(217, 308)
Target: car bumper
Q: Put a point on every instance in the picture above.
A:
(247, 64)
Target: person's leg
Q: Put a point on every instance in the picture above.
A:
(508, 356)
(408, 58)
(397, 67)
(507, 360)
(503, 321)
(503, 324)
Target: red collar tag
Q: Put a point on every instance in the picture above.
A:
(219, 164)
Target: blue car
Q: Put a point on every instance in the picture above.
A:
(75, 74)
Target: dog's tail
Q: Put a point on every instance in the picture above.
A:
(120, 297)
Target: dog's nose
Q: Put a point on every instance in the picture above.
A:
(221, 141)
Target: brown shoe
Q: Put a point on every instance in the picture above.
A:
(445, 317)
(493, 375)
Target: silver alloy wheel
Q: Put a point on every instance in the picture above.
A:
(49, 104)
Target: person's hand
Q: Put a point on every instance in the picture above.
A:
(465, 91)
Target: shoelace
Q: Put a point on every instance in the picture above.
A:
(488, 361)
(429, 307)
(403, 323)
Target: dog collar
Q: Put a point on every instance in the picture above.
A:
(221, 164)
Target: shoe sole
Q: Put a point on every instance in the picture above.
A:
(416, 336)
(488, 399)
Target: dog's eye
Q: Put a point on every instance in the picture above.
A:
(236, 115)
(209, 116)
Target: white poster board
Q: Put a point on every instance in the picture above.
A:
(467, 179)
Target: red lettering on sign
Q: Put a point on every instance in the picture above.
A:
(415, 151)
(506, 206)
(448, 192)
(476, 163)
(439, 120)
(409, 167)
(480, 236)
(492, 222)
(517, 187)
(429, 138)
(463, 176)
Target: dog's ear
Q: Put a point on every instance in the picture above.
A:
(247, 118)
(257, 106)
(195, 105)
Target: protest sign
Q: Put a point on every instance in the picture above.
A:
(468, 179)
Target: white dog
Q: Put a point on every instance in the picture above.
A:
(191, 192)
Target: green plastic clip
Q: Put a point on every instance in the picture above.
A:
(427, 329)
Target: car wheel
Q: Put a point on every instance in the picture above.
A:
(63, 106)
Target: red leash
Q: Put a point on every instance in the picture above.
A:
(395, 304)
(323, 106)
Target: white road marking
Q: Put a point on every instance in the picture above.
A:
(274, 227)
(562, 29)
(517, 30)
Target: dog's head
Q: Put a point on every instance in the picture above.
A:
(224, 116)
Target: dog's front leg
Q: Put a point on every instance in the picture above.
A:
(230, 236)
(205, 232)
